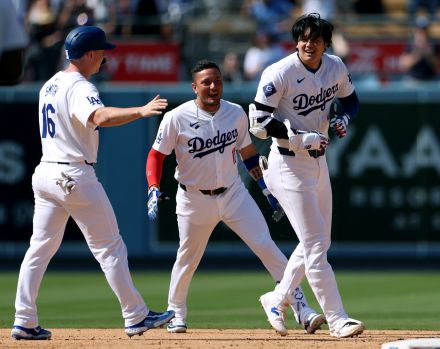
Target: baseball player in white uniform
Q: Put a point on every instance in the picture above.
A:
(65, 185)
(206, 134)
(292, 105)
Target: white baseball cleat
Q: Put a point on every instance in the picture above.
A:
(177, 326)
(313, 323)
(274, 313)
(346, 328)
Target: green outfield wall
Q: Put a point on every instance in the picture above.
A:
(385, 175)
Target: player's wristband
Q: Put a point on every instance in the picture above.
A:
(263, 186)
(251, 162)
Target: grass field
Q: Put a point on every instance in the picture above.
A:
(383, 300)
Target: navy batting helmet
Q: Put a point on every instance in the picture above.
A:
(83, 39)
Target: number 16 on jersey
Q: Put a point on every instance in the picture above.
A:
(48, 122)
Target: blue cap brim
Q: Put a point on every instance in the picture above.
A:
(109, 46)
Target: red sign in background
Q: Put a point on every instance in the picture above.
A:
(153, 61)
(372, 56)
(144, 61)
(375, 57)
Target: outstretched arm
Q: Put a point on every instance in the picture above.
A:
(112, 116)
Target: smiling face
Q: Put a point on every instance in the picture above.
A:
(310, 49)
(208, 86)
(313, 35)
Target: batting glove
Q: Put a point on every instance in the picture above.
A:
(278, 211)
(154, 197)
(339, 124)
(303, 140)
(66, 183)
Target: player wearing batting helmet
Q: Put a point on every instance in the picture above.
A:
(65, 185)
(292, 106)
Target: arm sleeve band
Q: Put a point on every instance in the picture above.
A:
(154, 167)
(263, 107)
(350, 105)
(274, 128)
(277, 129)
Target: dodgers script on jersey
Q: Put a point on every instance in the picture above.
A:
(74, 140)
(303, 97)
(205, 144)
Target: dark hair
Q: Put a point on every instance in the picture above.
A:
(318, 28)
(202, 65)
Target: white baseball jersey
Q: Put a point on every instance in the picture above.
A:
(301, 182)
(205, 145)
(68, 140)
(66, 102)
(303, 97)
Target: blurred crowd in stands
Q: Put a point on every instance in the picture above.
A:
(46, 23)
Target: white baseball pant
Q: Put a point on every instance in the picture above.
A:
(197, 216)
(89, 206)
(302, 186)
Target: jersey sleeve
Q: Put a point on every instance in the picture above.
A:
(244, 138)
(346, 86)
(270, 88)
(166, 137)
(83, 101)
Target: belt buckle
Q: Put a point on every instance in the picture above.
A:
(213, 192)
(219, 191)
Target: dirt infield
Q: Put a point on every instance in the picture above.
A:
(208, 339)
